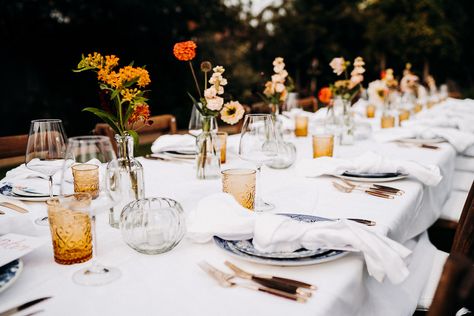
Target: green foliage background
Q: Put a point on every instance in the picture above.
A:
(41, 41)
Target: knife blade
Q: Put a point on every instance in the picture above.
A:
(387, 188)
(23, 306)
(14, 207)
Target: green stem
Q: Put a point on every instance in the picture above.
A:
(195, 79)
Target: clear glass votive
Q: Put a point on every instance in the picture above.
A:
(403, 116)
(222, 144)
(323, 145)
(387, 121)
(370, 111)
(70, 225)
(86, 179)
(418, 107)
(301, 126)
(240, 183)
(152, 225)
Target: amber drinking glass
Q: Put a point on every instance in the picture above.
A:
(323, 145)
(403, 116)
(70, 225)
(418, 107)
(222, 142)
(387, 121)
(370, 110)
(301, 126)
(240, 183)
(86, 178)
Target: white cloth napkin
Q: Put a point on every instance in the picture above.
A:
(369, 162)
(174, 142)
(458, 139)
(220, 215)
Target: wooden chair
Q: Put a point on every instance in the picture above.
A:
(463, 245)
(308, 104)
(12, 150)
(162, 124)
(456, 287)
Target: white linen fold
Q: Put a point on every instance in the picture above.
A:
(369, 162)
(174, 142)
(221, 215)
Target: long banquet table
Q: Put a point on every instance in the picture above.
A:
(173, 284)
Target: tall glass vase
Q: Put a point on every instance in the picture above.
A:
(347, 129)
(128, 173)
(208, 162)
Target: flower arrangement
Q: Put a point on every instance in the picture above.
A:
(211, 102)
(409, 82)
(349, 87)
(276, 91)
(325, 95)
(124, 87)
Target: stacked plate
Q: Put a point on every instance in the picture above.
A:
(373, 177)
(244, 249)
(23, 193)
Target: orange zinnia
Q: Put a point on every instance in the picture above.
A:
(185, 51)
(140, 113)
(325, 95)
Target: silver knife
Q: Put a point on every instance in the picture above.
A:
(23, 306)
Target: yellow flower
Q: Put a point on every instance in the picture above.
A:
(129, 94)
(111, 61)
(232, 112)
(91, 61)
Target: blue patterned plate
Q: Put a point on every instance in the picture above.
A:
(9, 273)
(244, 250)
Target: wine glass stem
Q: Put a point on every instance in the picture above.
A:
(95, 267)
(50, 182)
(258, 198)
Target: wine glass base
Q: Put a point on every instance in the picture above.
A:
(263, 206)
(96, 276)
(42, 221)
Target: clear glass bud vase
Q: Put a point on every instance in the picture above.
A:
(208, 161)
(130, 179)
(347, 135)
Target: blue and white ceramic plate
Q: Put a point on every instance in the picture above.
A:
(9, 273)
(244, 250)
(12, 192)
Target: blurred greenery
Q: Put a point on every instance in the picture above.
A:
(42, 41)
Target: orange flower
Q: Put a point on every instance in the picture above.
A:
(325, 95)
(140, 113)
(185, 51)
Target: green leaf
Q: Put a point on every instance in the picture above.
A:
(128, 113)
(135, 137)
(105, 116)
(114, 94)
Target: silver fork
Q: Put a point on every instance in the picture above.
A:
(376, 187)
(345, 189)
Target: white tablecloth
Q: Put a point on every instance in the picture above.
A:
(173, 284)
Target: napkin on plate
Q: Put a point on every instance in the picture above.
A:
(174, 142)
(220, 215)
(369, 162)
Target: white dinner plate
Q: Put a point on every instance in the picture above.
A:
(427, 141)
(371, 179)
(7, 191)
(9, 273)
(231, 247)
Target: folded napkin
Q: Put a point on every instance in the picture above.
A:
(369, 162)
(220, 215)
(174, 142)
(460, 140)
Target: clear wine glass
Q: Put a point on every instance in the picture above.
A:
(45, 151)
(259, 145)
(84, 151)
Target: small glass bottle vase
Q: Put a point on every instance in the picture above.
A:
(130, 177)
(347, 130)
(208, 161)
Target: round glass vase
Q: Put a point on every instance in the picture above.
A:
(152, 225)
(208, 161)
(128, 179)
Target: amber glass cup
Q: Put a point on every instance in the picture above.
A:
(418, 107)
(70, 226)
(86, 179)
(387, 121)
(403, 116)
(370, 110)
(222, 141)
(240, 183)
(323, 145)
(301, 126)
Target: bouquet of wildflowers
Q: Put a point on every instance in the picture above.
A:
(349, 87)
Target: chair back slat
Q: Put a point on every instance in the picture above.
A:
(464, 237)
